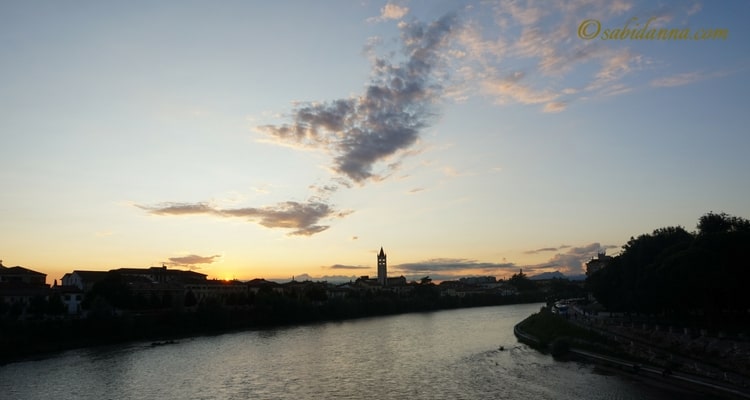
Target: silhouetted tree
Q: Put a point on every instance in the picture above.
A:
(521, 282)
(721, 223)
(675, 273)
(113, 289)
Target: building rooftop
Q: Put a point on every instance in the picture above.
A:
(17, 270)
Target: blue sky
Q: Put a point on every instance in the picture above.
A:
(280, 139)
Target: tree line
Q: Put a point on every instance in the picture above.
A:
(700, 277)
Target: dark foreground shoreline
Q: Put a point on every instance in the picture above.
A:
(550, 333)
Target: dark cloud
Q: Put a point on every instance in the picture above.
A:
(303, 218)
(547, 249)
(340, 266)
(387, 118)
(573, 260)
(542, 250)
(443, 265)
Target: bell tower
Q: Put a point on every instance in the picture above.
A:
(382, 268)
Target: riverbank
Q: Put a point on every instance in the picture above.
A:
(565, 340)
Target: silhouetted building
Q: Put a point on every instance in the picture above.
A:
(597, 263)
(478, 280)
(19, 286)
(163, 275)
(21, 275)
(83, 280)
(261, 285)
(382, 268)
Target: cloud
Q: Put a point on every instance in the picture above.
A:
(441, 269)
(510, 89)
(531, 54)
(358, 132)
(390, 11)
(341, 266)
(443, 265)
(386, 118)
(573, 260)
(302, 218)
(180, 209)
(555, 106)
(615, 67)
(192, 260)
(542, 250)
(676, 80)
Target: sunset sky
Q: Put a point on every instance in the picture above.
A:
(248, 139)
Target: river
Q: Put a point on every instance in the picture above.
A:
(452, 354)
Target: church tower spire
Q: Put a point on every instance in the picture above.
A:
(382, 268)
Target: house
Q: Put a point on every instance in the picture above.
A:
(258, 284)
(163, 275)
(19, 286)
(21, 275)
(71, 297)
(83, 280)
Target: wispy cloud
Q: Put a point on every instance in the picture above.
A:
(677, 80)
(303, 218)
(530, 55)
(386, 119)
(347, 267)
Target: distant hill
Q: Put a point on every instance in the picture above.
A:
(556, 275)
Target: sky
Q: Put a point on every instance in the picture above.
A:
(294, 139)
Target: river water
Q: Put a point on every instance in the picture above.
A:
(451, 354)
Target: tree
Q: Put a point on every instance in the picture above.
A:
(114, 290)
(712, 223)
(701, 277)
(521, 282)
